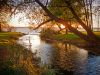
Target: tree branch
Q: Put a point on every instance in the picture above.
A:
(42, 24)
(47, 11)
(72, 29)
(19, 6)
(47, 3)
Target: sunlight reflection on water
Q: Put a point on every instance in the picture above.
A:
(30, 40)
(63, 55)
(34, 43)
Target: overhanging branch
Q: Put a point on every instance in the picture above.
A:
(72, 29)
(42, 24)
(19, 6)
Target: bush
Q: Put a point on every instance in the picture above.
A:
(48, 33)
(17, 61)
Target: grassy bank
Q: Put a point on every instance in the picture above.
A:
(54, 35)
(15, 59)
(10, 35)
(71, 36)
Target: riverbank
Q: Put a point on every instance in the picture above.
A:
(71, 38)
(15, 59)
(10, 36)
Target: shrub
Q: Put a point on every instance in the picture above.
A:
(48, 33)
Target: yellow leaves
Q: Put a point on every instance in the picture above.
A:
(28, 65)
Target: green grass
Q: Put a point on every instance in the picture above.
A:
(9, 35)
(71, 36)
(66, 36)
(97, 33)
(14, 58)
(51, 34)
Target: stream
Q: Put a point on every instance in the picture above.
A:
(62, 57)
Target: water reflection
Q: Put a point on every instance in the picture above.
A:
(63, 57)
(77, 60)
(71, 58)
(30, 41)
(36, 45)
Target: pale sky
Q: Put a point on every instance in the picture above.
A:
(19, 20)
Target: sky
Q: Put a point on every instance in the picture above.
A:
(96, 18)
(20, 20)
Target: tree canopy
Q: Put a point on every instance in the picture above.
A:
(61, 11)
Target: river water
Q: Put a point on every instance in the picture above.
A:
(62, 57)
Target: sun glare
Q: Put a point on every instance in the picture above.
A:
(62, 26)
(19, 20)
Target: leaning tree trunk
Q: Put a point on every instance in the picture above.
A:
(0, 28)
(91, 37)
(75, 31)
(87, 28)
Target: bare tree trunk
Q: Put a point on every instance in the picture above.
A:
(87, 12)
(88, 29)
(91, 18)
(0, 28)
(98, 21)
